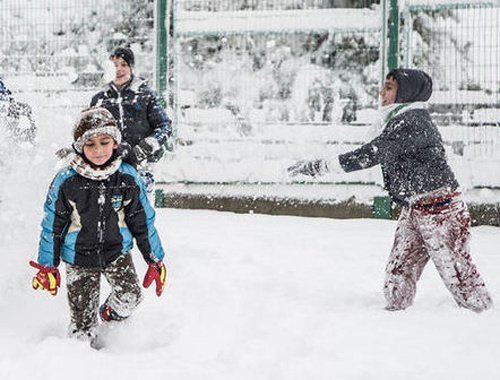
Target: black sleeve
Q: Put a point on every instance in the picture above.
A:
(95, 99)
(158, 119)
(391, 142)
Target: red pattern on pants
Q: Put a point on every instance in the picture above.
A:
(440, 233)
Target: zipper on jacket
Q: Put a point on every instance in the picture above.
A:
(101, 224)
(119, 101)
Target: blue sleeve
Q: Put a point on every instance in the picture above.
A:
(4, 91)
(57, 214)
(140, 218)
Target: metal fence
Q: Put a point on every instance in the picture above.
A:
(458, 43)
(277, 79)
(68, 41)
(276, 61)
(59, 47)
(254, 81)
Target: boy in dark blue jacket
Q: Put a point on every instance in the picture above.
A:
(144, 124)
(94, 209)
(434, 222)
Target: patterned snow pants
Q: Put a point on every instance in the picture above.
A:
(83, 286)
(440, 233)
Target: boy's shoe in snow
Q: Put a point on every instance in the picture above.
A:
(104, 332)
(97, 343)
(101, 337)
(107, 314)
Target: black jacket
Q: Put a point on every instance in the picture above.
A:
(137, 109)
(90, 223)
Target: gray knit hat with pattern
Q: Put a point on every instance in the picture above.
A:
(93, 122)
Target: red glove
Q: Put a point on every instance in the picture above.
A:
(47, 278)
(156, 272)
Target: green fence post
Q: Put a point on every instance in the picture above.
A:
(159, 198)
(392, 58)
(382, 207)
(161, 50)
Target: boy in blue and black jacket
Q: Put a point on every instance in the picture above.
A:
(94, 209)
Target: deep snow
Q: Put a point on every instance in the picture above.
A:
(260, 297)
(248, 297)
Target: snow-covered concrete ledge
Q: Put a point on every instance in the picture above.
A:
(195, 22)
(342, 201)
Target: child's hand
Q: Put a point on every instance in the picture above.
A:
(308, 168)
(156, 272)
(47, 278)
(148, 149)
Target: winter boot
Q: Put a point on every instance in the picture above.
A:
(107, 314)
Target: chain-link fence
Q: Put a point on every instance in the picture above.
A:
(59, 46)
(254, 80)
(276, 61)
(275, 79)
(459, 45)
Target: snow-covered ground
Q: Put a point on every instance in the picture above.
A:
(259, 297)
(248, 297)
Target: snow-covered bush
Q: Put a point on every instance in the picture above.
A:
(315, 77)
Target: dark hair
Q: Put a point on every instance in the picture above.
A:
(125, 53)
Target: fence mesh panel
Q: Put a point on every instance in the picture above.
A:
(459, 44)
(277, 61)
(265, 74)
(61, 45)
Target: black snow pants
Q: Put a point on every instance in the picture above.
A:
(83, 286)
(442, 234)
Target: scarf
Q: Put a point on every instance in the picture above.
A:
(83, 168)
(386, 113)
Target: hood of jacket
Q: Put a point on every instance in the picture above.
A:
(413, 85)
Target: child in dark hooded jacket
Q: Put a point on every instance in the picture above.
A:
(434, 223)
(93, 211)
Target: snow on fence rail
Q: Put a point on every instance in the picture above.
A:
(229, 22)
(221, 153)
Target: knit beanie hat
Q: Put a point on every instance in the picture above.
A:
(94, 121)
(125, 53)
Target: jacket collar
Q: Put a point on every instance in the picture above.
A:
(389, 112)
(133, 85)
